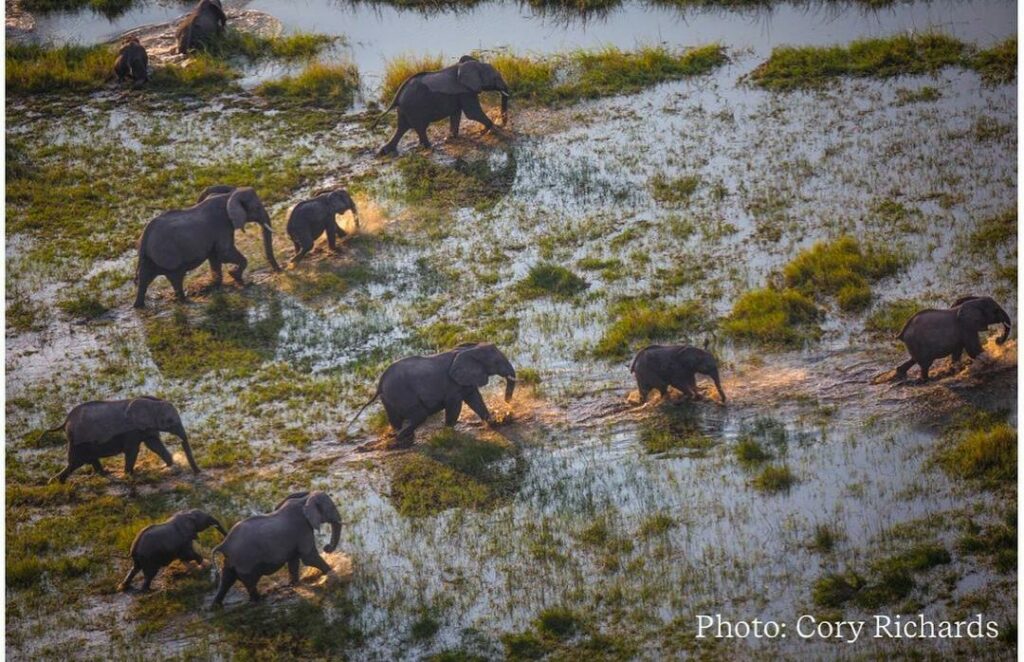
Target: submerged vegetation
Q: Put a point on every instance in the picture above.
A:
(981, 448)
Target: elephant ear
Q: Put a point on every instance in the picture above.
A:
(445, 81)
(471, 74)
(142, 412)
(466, 370)
(239, 203)
(971, 316)
(312, 510)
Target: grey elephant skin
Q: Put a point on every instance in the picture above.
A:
(416, 387)
(310, 219)
(661, 366)
(180, 240)
(103, 428)
(933, 334)
(430, 96)
(205, 22)
(132, 62)
(263, 544)
(158, 545)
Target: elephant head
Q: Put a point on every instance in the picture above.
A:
(977, 313)
(339, 201)
(147, 413)
(482, 77)
(319, 508)
(193, 522)
(244, 206)
(705, 363)
(475, 363)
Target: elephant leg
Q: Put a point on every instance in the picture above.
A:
(421, 131)
(300, 252)
(126, 583)
(925, 365)
(252, 586)
(293, 571)
(216, 269)
(98, 468)
(973, 346)
(314, 560)
(227, 578)
(476, 403)
(144, 277)
(394, 418)
(643, 388)
(148, 574)
(453, 124)
(474, 112)
(192, 555)
(178, 283)
(154, 444)
(73, 465)
(452, 409)
(901, 369)
(392, 145)
(131, 454)
(232, 256)
(407, 435)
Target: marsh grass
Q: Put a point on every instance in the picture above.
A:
(994, 232)
(779, 318)
(674, 191)
(677, 430)
(796, 67)
(997, 65)
(399, 68)
(328, 84)
(996, 541)
(842, 269)
(824, 539)
(638, 322)
(546, 279)
(466, 183)
(889, 317)
(750, 453)
(889, 580)
(774, 478)
(255, 47)
(981, 448)
(109, 8)
(33, 68)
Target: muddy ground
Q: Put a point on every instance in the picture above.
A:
(577, 521)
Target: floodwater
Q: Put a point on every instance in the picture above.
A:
(575, 185)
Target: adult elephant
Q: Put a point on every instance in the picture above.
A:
(103, 428)
(180, 240)
(263, 544)
(661, 366)
(435, 95)
(416, 387)
(205, 22)
(932, 334)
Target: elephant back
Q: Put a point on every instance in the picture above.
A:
(97, 422)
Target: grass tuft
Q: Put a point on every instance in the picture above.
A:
(889, 317)
(987, 453)
(780, 318)
(997, 65)
(639, 322)
(397, 69)
(319, 84)
(774, 478)
(546, 279)
(71, 68)
(842, 269)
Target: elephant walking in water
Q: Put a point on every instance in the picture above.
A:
(109, 427)
(158, 545)
(932, 334)
(449, 93)
(661, 366)
(180, 240)
(416, 387)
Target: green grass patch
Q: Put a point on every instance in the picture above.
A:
(331, 84)
(983, 450)
(749, 452)
(995, 232)
(546, 279)
(32, 68)
(774, 478)
(890, 579)
(796, 67)
(996, 542)
(674, 191)
(638, 322)
(475, 183)
(843, 269)
(255, 47)
(675, 430)
(776, 318)
(204, 75)
(824, 539)
(558, 623)
(399, 68)
(657, 524)
(109, 8)
(889, 317)
(997, 65)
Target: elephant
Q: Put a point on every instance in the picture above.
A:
(430, 96)
(180, 240)
(216, 189)
(416, 387)
(204, 22)
(102, 428)
(262, 544)
(309, 219)
(932, 334)
(661, 366)
(158, 545)
(132, 62)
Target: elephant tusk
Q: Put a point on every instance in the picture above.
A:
(267, 227)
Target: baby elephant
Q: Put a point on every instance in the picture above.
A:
(158, 545)
(309, 219)
(132, 62)
(262, 544)
(933, 334)
(661, 366)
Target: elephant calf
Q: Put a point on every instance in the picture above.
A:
(203, 23)
(416, 387)
(104, 428)
(309, 219)
(262, 544)
(661, 366)
(158, 545)
(132, 62)
(932, 334)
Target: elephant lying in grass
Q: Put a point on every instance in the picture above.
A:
(661, 366)
(158, 545)
(109, 427)
(933, 334)
(262, 544)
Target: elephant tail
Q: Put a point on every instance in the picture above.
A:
(46, 432)
(394, 102)
(363, 408)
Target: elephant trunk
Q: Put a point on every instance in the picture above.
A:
(335, 535)
(504, 105)
(355, 215)
(217, 525)
(718, 385)
(268, 242)
(180, 433)
(1006, 327)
